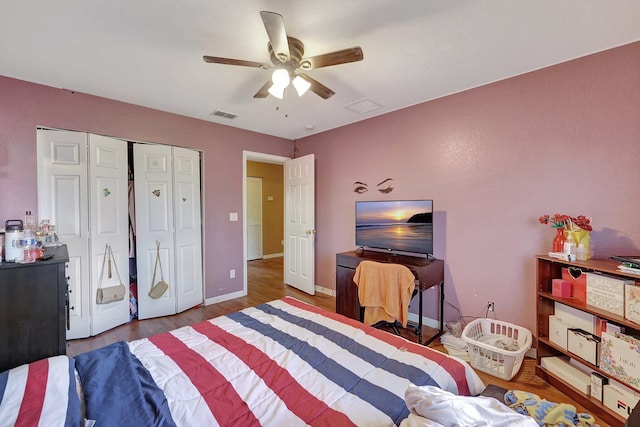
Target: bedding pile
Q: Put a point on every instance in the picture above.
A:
(432, 407)
(281, 363)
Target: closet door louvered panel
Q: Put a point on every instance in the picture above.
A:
(109, 223)
(63, 199)
(188, 220)
(153, 181)
(82, 190)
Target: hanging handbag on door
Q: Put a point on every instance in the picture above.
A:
(158, 289)
(109, 294)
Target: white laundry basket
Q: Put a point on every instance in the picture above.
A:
(481, 337)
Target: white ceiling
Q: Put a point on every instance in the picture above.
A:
(149, 52)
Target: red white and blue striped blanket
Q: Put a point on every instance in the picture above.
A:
(287, 363)
(284, 363)
(42, 393)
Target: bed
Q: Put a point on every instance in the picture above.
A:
(280, 363)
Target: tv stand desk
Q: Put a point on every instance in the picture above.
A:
(429, 273)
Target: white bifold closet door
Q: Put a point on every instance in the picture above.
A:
(82, 190)
(168, 213)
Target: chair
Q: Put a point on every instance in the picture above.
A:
(384, 291)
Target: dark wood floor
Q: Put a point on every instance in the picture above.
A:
(265, 283)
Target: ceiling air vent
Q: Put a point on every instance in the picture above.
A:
(363, 106)
(224, 114)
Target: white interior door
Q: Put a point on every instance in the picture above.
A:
(154, 223)
(299, 226)
(109, 224)
(254, 218)
(63, 199)
(188, 228)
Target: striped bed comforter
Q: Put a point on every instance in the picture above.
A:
(287, 363)
(284, 363)
(42, 393)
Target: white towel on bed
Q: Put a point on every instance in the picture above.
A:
(433, 407)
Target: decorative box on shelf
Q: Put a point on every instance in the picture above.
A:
(558, 331)
(598, 381)
(606, 292)
(620, 357)
(583, 344)
(574, 317)
(568, 372)
(578, 281)
(632, 302)
(619, 398)
(561, 288)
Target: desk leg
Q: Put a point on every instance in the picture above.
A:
(441, 308)
(441, 330)
(420, 319)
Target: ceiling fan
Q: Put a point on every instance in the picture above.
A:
(287, 57)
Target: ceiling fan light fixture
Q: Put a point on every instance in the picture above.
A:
(301, 85)
(287, 56)
(281, 78)
(277, 91)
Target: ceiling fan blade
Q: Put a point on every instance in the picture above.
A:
(263, 92)
(318, 88)
(229, 61)
(274, 24)
(343, 56)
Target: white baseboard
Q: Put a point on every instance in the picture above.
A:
(281, 254)
(426, 321)
(225, 297)
(326, 291)
(238, 294)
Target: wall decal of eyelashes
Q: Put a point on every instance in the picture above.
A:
(384, 187)
(360, 187)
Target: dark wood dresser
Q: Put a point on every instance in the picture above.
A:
(33, 301)
(428, 272)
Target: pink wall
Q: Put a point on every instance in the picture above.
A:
(565, 139)
(24, 106)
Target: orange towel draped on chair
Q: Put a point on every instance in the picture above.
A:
(385, 291)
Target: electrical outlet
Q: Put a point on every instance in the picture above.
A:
(232, 274)
(491, 306)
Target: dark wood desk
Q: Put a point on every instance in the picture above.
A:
(429, 273)
(33, 309)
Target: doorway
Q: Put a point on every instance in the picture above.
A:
(298, 204)
(248, 187)
(254, 215)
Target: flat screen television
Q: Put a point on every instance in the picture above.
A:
(398, 226)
